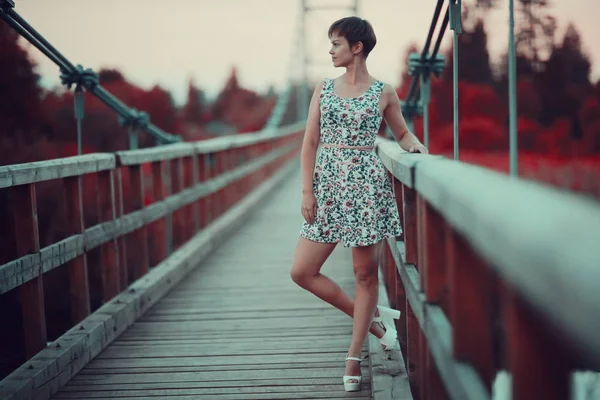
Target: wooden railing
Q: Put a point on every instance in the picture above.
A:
(492, 274)
(186, 187)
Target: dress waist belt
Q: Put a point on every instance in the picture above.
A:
(343, 146)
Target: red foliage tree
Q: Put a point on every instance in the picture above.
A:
(565, 80)
(474, 60)
(21, 115)
(589, 117)
(193, 111)
(529, 104)
(243, 109)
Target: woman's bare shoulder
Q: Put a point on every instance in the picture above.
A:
(389, 92)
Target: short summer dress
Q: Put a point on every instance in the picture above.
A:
(355, 198)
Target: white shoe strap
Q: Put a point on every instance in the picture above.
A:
(353, 358)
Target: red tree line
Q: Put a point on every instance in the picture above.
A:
(558, 108)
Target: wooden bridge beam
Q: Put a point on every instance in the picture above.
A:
(31, 293)
(79, 291)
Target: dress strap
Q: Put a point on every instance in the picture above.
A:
(378, 87)
(378, 90)
(326, 87)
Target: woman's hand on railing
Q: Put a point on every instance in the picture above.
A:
(418, 148)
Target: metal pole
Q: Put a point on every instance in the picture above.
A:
(455, 91)
(302, 95)
(456, 26)
(425, 95)
(133, 139)
(79, 112)
(167, 178)
(512, 92)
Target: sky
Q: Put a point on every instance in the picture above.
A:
(172, 42)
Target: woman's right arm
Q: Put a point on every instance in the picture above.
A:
(311, 141)
(312, 136)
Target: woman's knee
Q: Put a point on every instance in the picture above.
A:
(300, 276)
(308, 260)
(296, 275)
(366, 273)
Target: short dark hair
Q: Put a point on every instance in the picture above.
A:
(355, 30)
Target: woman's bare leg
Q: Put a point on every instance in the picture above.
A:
(308, 260)
(365, 261)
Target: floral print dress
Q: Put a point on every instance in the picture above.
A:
(355, 199)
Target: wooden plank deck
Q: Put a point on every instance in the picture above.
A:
(236, 328)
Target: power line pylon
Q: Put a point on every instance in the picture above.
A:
(308, 10)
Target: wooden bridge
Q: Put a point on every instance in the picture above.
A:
(493, 274)
(178, 284)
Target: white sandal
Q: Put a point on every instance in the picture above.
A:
(352, 386)
(390, 337)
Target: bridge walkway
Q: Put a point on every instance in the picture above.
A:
(237, 327)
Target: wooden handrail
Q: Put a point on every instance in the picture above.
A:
(206, 179)
(499, 273)
(22, 174)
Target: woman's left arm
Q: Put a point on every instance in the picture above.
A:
(392, 113)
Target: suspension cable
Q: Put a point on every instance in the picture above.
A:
(80, 78)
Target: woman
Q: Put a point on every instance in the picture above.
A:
(346, 193)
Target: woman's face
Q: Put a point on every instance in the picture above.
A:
(341, 54)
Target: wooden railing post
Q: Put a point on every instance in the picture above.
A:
(31, 293)
(220, 195)
(235, 188)
(210, 162)
(409, 201)
(79, 290)
(399, 298)
(109, 252)
(158, 229)
(227, 190)
(202, 177)
(432, 380)
(246, 182)
(422, 385)
(433, 264)
(390, 270)
(121, 241)
(471, 288)
(138, 243)
(177, 185)
(189, 211)
(195, 179)
(539, 365)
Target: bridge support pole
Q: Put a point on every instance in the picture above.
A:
(456, 26)
(79, 114)
(133, 139)
(424, 65)
(512, 92)
(425, 96)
